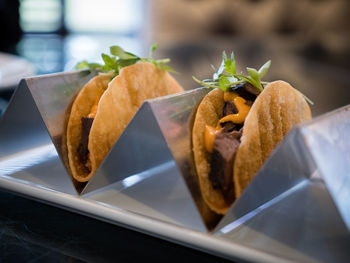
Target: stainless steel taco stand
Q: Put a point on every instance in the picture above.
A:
(31, 130)
(296, 209)
(298, 204)
(150, 170)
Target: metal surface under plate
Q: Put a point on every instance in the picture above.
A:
(296, 208)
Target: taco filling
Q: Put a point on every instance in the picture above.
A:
(86, 123)
(222, 141)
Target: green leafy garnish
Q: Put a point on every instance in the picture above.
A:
(120, 58)
(226, 76)
(160, 63)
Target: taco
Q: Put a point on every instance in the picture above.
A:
(104, 107)
(80, 120)
(235, 131)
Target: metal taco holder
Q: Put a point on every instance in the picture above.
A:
(296, 208)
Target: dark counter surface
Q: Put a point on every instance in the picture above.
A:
(31, 231)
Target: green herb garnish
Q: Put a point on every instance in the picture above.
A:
(226, 76)
(120, 58)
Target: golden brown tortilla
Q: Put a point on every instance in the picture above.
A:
(276, 110)
(117, 106)
(208, 113)
(272, 115)
(81, 108)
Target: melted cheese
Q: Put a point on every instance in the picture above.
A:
(209, 136)
(230, 96)
(238, 118)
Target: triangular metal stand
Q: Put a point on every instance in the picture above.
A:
(298, 203)
(328, 141)
(150, 169)
(317, 151)
(31, 130)
(146, 170)
(288, 166)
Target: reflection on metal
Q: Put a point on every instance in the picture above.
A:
(20, 161)
(297, 203)
(328, 140)
(289, 164)
(131, 180)
(240, 221)
(166, 137)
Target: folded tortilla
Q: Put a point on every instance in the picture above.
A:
(118, 104)
(275, 111)
(81, 107)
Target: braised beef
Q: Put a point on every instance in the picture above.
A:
(246, 91)
(221, 164)
(229, 108)
(230, 126)
(249, 103)
(226, 142)
(83, 151)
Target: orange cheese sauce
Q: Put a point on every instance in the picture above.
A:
(230, 96)
(238, 118)
(243, 110)
(209, 136)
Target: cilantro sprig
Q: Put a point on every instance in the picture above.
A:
(119, 58)
(226, 75)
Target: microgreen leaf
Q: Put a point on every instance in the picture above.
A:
(108, 60)
(85, 65)
(254, 78)
(163, 61)
(220, 70)
(253, 73)
(232, 79)
(120, 53)
(226, 75)
(166, 68)
(230, 64)
(127, 62)
(264, 68)
(224, 83)
(120, 58)
(224, 56)
(204, 83)
(153, 48)
(232, 56)
(82, 65)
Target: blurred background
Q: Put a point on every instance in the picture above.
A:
(308, 41)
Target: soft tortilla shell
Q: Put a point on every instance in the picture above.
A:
(80, 108)
(119, 103)
(276, 110)
(208, 113)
